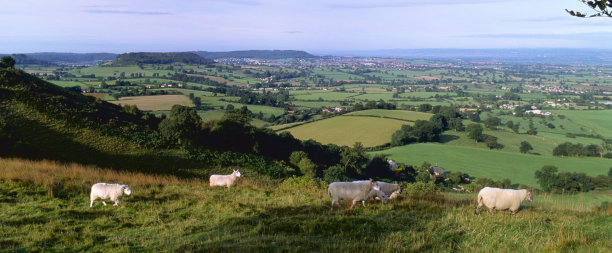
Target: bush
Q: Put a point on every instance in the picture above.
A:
(420, 188)
(423, 177)
(335, 174)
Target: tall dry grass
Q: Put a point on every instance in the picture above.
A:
(50, 174)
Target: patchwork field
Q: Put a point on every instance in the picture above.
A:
(155, 103)
(346, 130)
(394, 114)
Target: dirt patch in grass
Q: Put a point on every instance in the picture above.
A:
(97, 95)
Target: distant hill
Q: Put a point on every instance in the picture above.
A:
(25, 59)
(63, 58)
(256, 54)
(74, 58)
(160, 58)
(525, 55)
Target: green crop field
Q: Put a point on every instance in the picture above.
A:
(395, 114)
(155, 103)
(598, 122)
(346, 130)
(323, 95)
(494, 164)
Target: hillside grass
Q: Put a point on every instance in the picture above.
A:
(494, 164)
(346, 130)
(50, 212)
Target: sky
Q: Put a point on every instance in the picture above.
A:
(316, 26)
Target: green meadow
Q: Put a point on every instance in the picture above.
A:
(394, 114)
(346, 130)
(494, 164)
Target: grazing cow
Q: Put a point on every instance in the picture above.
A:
(352, 191)
(501, 199)
(224, 180)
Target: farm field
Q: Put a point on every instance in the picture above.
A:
(154, 103)
(45, 207)
(346, 130)
(498, 165)
(598, 122)
(395, 114)
(543, 143)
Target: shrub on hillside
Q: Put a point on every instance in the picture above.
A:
(335, 174)
(420, 188)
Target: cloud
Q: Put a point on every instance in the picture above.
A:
(127, 12)
(580, 36)
(406, 3)
(292, 32)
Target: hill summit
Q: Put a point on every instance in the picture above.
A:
(160, 58)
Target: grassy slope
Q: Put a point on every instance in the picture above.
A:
(477, 162)
(169, 214)
(52, 137)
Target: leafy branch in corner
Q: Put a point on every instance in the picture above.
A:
(599, 6)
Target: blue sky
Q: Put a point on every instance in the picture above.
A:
(119, 26)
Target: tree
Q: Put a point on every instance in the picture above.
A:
(491, 141)
(334, 174)
(307, 167)
(525, 147)
(599, 6)
(516, 128)
(456, 124)
(7, 62)
(547, 177)
(238, 116)
(354, 160)
(181, 126)
(492, 122)
(439, 121)
(475, 132)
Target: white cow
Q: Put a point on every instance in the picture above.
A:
(501, 199)
(224, 180)
(352, 191)
(108, 191)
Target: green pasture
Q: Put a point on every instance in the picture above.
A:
(336, 75)
(543, 143)
(346, 130)
(599, 121)
(316, 104)
(375, 96)
(395, 114)
(321, 94)
(494, 164)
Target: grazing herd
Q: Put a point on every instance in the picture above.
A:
(355, 191)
